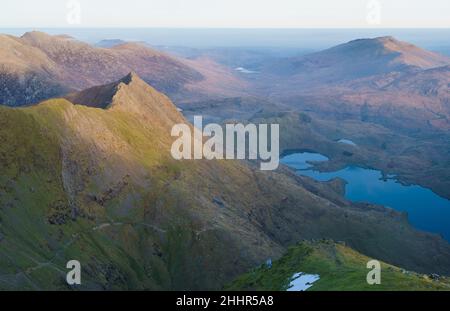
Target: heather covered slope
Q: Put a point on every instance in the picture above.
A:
(82, 65)
(99, 185)
(381, 80)
(26, 73)
(357, 59)
(38, 66)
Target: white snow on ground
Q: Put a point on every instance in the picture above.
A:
(347, 142)
(301, 281)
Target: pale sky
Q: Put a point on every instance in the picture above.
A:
(226, 13)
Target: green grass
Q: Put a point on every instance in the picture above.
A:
(163, 230)
(35, 143)
(33, 253)
(340, 269)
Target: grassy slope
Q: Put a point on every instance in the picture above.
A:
(146, 234)
(340, 269)
(98, 186)
(33, 194)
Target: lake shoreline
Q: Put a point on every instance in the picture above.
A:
(426, 210)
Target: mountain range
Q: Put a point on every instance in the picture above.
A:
(389, 96)
(38, 66)
(380, 80)
(97, 183)
(87, 172)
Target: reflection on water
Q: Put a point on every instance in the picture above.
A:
(426, 210)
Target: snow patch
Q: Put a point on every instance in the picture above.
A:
(347, 142)
(301, 281)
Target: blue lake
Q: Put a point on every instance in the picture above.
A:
(427, 211)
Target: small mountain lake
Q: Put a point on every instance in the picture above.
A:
(245, 70)
(426, 210)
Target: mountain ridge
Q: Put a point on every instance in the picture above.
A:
(100, 185)
(72, 65)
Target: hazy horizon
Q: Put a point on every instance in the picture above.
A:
(434, 39)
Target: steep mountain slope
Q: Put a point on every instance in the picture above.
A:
(64, 63)
(83, 65)
(340, 269)
(26, 73)
(99, 186)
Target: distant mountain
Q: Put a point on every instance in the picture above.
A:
(358, 59)
(27, 75)
(83, 65)
(63, 63)
(381, 80)
(99, 185)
